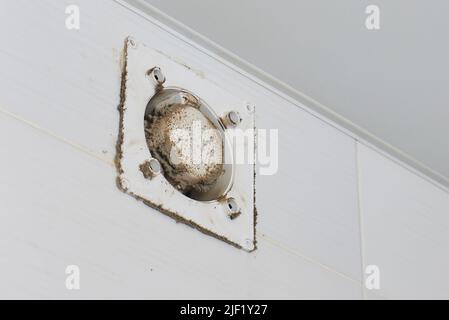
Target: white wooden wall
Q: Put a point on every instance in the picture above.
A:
(335, 206)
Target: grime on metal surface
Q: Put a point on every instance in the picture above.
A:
(168, 130)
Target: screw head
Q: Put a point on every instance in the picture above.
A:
(234, 118)
(232, 208)
(156, 75)
(154, 166)
(150, 168)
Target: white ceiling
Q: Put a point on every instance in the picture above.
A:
(393, 82)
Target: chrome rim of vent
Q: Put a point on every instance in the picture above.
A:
(171, 109)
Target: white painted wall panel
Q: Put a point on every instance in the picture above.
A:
(58, 94)
(58, 208)
(405, 227)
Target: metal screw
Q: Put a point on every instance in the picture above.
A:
(157, 75)
(155, 166)
(234, 118)
(232, 208)
(150, 168)
(250, 107)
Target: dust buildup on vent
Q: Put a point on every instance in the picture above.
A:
(187, 144)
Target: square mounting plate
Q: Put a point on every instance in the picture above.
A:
(209, 217)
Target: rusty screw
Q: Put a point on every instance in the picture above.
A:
(232, 208)
(155, 166)
(157, 75)
(150, 168)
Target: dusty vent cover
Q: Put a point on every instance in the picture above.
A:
(186, 147)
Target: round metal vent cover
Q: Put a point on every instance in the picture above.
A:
(188, 139)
